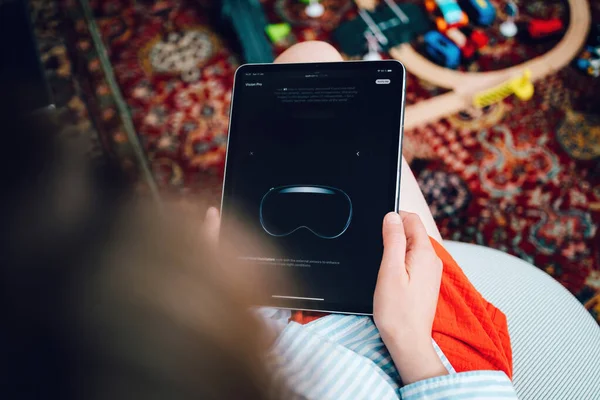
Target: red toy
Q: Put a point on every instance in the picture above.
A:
(540, 28)
(479, 38)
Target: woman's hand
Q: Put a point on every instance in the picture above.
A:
(406, 297)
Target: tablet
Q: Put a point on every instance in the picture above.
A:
(313, 165)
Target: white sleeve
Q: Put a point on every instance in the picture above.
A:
(480, 385)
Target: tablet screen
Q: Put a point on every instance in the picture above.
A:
(312, 168)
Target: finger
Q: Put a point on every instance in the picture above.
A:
(416, 234)
(418, 245)
(394, 247)
(212, 225)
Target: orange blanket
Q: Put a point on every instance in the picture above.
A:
(471, 332)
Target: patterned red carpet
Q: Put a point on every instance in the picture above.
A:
(523, 177)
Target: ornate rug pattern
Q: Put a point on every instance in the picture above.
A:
(522, 177)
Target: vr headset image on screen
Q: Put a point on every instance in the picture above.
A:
(324, 211)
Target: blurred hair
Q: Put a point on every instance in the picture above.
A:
(106, 296)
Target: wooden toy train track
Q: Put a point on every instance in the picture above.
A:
(466, 85)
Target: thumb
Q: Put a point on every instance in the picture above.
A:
(212, 225)
(394, 245)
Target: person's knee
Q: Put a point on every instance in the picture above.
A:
(312, 51)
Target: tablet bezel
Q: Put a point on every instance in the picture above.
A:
(303, 303)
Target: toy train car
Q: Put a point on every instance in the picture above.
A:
(448, 14)
(539, 28)
(481, 12)
(589, 61)
(441, 49)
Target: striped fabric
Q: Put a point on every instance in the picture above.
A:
(556, 345)
(343, 357)
(555, 341)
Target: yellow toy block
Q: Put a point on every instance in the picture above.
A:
(520, 87)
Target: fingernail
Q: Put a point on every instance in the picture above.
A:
(212, 212)
(393, 218)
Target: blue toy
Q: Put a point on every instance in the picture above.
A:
(450, 10)
(589, 61)
(482, 12)
(441, 49)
